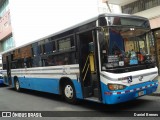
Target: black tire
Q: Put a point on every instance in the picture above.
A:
(69, 93)
(17, 85)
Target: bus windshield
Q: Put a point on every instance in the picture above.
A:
(125, 48)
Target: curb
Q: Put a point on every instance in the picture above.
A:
(155, 94)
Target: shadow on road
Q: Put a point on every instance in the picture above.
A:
(39, 94)
(2, 85)
(92, 106)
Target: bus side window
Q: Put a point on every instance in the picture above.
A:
(50, 61)
(28, 62)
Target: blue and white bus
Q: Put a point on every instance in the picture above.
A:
(105, 59)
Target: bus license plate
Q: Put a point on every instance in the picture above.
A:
(140, 93)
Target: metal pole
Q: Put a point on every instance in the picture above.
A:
(108, 6)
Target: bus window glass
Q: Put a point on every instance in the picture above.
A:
(60, 59)
(37, 62)
(35, 49)
(4, 61)
(66, 43)
(125, 46)
(113, 21)
(4, 66)
(39, 50)
(50, 47)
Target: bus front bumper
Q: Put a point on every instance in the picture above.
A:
(131, 92)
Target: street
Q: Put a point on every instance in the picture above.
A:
(28, 100)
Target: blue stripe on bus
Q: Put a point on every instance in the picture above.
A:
(46, 85)
(118, 98)
(1, 81)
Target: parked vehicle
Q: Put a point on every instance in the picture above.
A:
(1, 79)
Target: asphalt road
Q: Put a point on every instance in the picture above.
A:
(28, 100)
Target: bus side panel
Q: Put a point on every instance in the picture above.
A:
(46, 85)
(103, 89)
(6, 82)
(78, 89)
(40, 84)
(5, 78)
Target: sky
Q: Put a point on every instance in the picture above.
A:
(34, 19)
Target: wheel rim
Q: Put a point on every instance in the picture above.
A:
(68, 91)
(17, 85)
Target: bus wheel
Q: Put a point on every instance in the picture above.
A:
(17, 85)
(69, 93)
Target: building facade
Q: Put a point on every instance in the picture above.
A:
(6, 38)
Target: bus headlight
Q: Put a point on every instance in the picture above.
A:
(116, 87)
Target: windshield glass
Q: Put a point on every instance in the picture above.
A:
(125, 46)
(128, 21)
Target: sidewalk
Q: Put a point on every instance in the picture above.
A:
(157, 93)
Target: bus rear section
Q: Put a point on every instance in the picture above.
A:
(128, 68)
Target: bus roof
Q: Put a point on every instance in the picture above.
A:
(75, 26)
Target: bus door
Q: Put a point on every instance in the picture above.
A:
(8, 64)
(89, 69)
